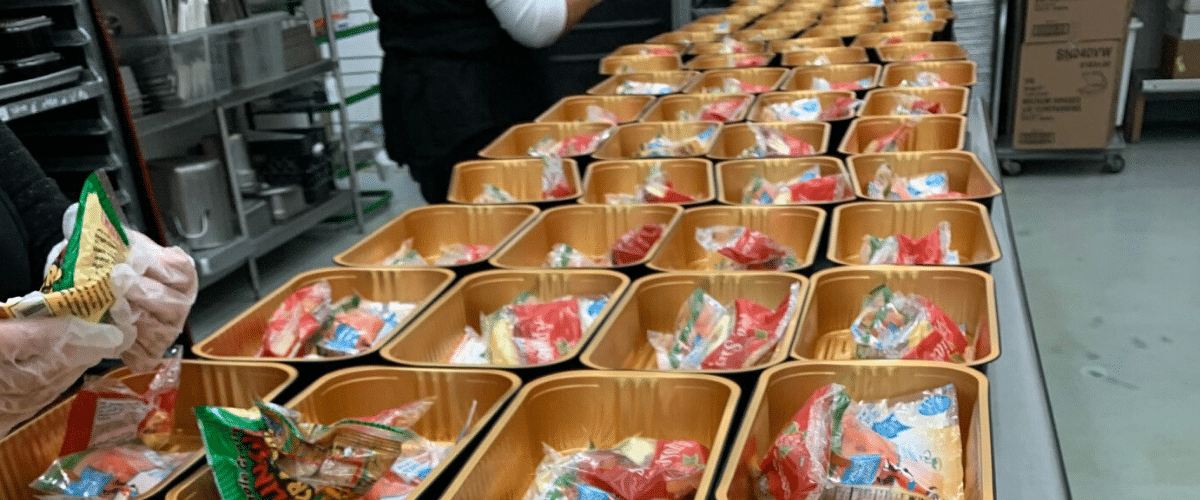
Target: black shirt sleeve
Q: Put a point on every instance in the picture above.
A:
(38, 201)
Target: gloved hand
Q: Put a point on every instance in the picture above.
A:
(155, 289)
(42, 358)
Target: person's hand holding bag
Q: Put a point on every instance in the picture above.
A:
(42, 358)
(155, 288)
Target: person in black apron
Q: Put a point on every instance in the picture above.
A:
(454, 78)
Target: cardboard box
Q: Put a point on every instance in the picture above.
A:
(1180, 58)
(1066, 20)
(1182, 25)
(1067, 94)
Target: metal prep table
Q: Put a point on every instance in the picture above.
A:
(1025, 451)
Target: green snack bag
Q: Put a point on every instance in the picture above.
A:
(78, 282)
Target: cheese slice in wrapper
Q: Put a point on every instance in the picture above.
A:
(78, 282)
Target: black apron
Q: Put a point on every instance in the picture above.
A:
(452, 81)
(18, 276)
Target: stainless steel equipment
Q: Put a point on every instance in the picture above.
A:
(198, 207)
(285, 201)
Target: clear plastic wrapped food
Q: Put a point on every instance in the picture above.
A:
(745, 249)
(453, 254)
(119, 472)
(106, 412)
(598, 114)
(635, 244)
(810, 186)
(635, 469)
(297, 320)
(886, 185)
(912, 105)
(925, 79)
(931, 249)
(662, 147)
(897, 326)
(799, 110)
(655, 189)
(554, 180)
(562, 256)
(770, 142)
(820, 83)
(633, 87)
(529, 332)
(720, 111)
(892, 141)
(578, 144)
(492, 193)
(732, 85)
(836, 447)
(708, 336)
(750, 61)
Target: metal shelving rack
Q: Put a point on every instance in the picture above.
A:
(216, 263)
(1010, 22)
(68, 87)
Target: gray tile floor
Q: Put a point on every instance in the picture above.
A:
(1113, 278)
(1111, 272)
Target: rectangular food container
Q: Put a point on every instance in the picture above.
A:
(965, 174)
(240, 339)
(715, 79)
(735, 138)
(763, 35)
(733, 176)
(684, 39)
(643, 49)
(611, 65)
(434, 226)
(669, 108)
(591, 229)
(827, 98)
(520, 178)
(877, 39)
(690, 176)
(627, 108)
(836, 296)
(516, 141)
(180, 70)
(794, 44)
(676, 79)
(573, 410)
(628, 140)
(882, 102)
(960, 73)
(852, 17)
(971, 232)
(930, 133)
(339, 395)
(824, 57)
(921, 51)
(652, 303)
(707, 48)
(730, 61)
(783, 389)
(430, 339)
(793, 24)
(28, 450)
(935, 26)
(802, 78)
(846, 31)
(795, 227)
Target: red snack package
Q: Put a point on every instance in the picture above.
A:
(924, 251)
(546, 332)
(297, 319)
(660, 51)
(751, 61)
(755, 332)
(796, 464)
(920, 56)
(753, 247)
(751, 88)
(927, 107)
(945, 343)
(668, 195)
(106, 412)
(828, 188)
(722, 111)
(892, 141)
(841, 108)
(634, 245)
(402, 416)
(797, 147)
(646, 469)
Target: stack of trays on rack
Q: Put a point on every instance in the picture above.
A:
(646, 260)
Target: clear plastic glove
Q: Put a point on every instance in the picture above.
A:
(41, 358)
(155, 289)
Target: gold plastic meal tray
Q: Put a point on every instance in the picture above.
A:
(930, 51)
(795, 227)
(639, 49)
(794, 44)
(708, 48)
(836, 296)
(929, 133)
(28, 450)
(736, 138)
(971, 232)
(652, 303)
(520, 178)
(574, 410)
(826, 98)
(965, 174)
(877, 39)
(431, 338)
(433, 227)
(590, 229)
(516, 141)
(783, 389)
(961, 73)
(729, 61)
(733, 176)
(715, 79)
(242, 337)
(676, 107)
(690, 176)
(612, 65)
(628, 140)
(676, 79)
(627, 108)
(824, 57)
(883, 102)
(802, 78)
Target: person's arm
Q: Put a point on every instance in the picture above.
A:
(36, 197)
(539, 23)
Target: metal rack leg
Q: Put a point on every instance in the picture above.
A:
(344, 116)
(255, 280)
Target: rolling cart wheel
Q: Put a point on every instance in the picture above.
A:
(1010, 167)
(1114, 164)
